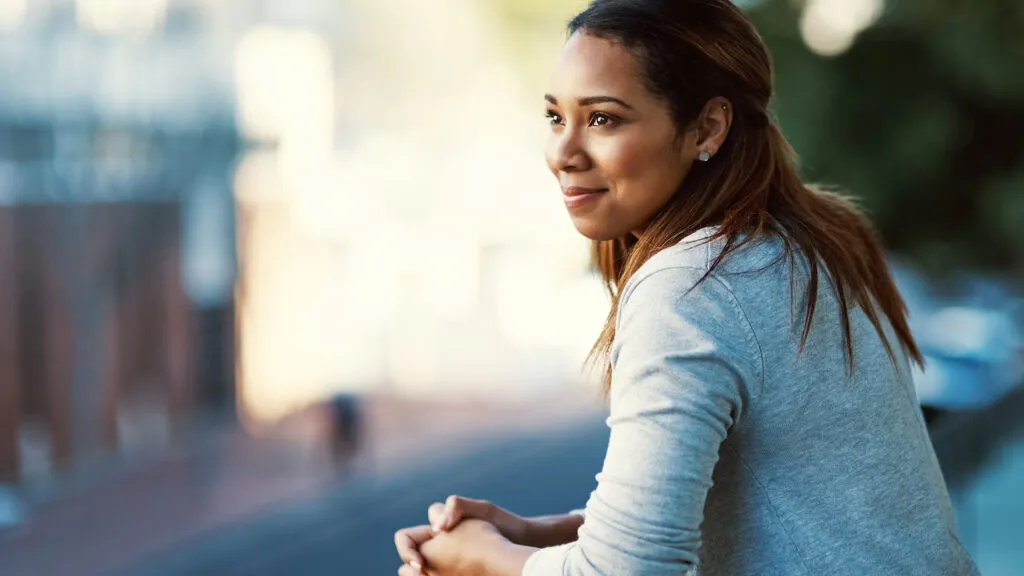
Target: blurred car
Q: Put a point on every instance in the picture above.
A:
(973, 357)
(973, 343)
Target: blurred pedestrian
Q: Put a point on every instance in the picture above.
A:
(346, 431)
(36, 348)
(763, 416)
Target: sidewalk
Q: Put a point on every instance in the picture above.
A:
(231, 475)
(983, 456)
(350, 530)
(991, 514)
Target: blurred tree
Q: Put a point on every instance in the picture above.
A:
(922, 118)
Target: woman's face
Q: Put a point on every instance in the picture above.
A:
(613, 147)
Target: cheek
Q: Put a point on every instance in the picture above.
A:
(644, 168)
(627, 164)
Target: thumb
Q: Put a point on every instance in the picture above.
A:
(457, 508)
(436, 516)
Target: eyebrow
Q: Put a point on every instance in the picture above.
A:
(591, 100)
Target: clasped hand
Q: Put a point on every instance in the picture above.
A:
(461, 536)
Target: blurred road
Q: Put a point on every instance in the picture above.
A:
(991, 514)
(982, 454)
(348, 529)
(350, 532)
(104, 520)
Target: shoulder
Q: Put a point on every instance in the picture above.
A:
(673, 306)
(681, 280)
(690, 259)
(688, 262)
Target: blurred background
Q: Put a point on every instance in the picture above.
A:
(277, 274)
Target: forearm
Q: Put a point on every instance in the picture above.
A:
(548, 531)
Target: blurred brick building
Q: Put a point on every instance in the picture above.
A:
(117, 142)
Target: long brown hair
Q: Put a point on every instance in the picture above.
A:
(689, 52)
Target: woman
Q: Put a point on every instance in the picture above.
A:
(763, 419)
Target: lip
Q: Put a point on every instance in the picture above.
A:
(581, 191)
(577, 195)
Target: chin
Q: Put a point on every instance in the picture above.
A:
(596, 230)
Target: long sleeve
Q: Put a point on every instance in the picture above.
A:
(686, 368)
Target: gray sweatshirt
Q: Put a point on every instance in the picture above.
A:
(734, 453)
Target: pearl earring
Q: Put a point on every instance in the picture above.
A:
(704, 156)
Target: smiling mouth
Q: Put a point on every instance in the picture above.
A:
(573, 191)
(577, 198)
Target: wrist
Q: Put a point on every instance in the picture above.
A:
(512, 526)
(521, 530)
(502, 558)
(547, 531)
(529, 532)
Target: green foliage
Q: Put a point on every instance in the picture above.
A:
(923, 118)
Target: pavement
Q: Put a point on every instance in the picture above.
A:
(534, 460)
(350, 530)
(991, 513)
(229, 476)
(982, 453)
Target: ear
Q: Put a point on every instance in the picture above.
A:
(713, 126)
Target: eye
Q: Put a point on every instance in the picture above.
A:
(552, 117)
(599, 119)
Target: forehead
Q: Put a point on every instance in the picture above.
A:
(590, 66)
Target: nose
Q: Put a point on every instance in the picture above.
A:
(566, 152)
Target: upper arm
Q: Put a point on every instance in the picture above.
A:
(685, 367)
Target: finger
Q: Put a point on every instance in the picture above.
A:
(435, 516)
(408, 542)
(457, 508)
(418, 534)
(452, 513)
(479, 509)
(407, 570)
